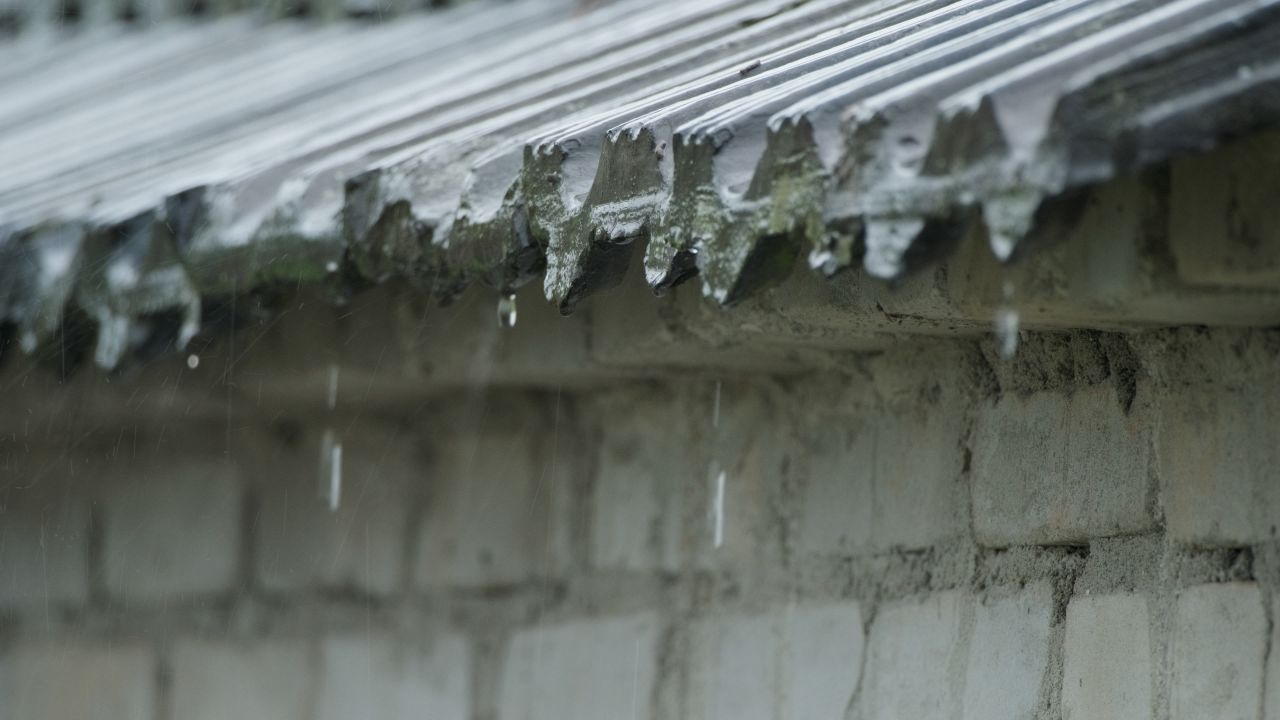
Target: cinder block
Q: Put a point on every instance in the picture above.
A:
(44, 524)
(914, 646)
(1271, 698)
(492, 512)
(886, 481)
(68, 682)
(648, 469)
(1107, 666)
(1061, 469)
(1220, 466)
(583, 670)
(360, 544)
(376, 677)
(216, 680)
(1219, 647)
(172, 528)
(1008, 655)
(1223, 219)
(822, 648)
(734, 668)
(749, 456)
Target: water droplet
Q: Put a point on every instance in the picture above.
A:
(715, 411)
(1006, 329)
(1005, 323)
(1244, 72)
(330, 476)
(331, 266)
(333, 386)
(193, 361)
(507, 311)
(717, 516)
(887, 242)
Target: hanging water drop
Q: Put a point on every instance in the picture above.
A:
(507, 311)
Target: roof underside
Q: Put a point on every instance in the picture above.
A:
(142, 173)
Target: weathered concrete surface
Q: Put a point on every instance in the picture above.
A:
(365, 676)
(62, 682)
(214, 679)
(1219, 645)
(1056, 468)
(581, 670)
(44, 539)
(146, 506)
(1107, 667)
(909, 655)
(544, 545)
(1008, 655)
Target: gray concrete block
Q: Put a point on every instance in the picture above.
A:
(1271, 694)
(1219, 466)
(1061, 469)
(1008, 655)
(734, 668)
(71, 682)
(373, 676)
(913, 648)
(44, 526)
(743, 482)
(646, 473)
(172, 528)
(884, 480)
(490, 503)
(581, 670)
(1107, 659)
(214, 680)
(1219, 647)
(1222, 218)
(822, 649)
(360, 545)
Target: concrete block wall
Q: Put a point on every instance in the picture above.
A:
(1084, 531)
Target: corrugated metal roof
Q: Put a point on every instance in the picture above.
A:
(503, 141)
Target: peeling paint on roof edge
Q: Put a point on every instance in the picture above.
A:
(503, 142)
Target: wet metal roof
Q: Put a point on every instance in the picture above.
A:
(142, 172)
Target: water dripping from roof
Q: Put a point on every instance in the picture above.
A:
(330, 481)
(507, 311)
(330, 476)
(717, 512)
(1006, 325)
(333, 386)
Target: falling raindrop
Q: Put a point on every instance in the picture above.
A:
(717, 518)
(1006, 325)
(333, 386)
(715, 411)
(193, 361)
(1006, 329)
(330, 476)
(507, 311)
(335, 477)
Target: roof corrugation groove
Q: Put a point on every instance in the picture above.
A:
(504, 141)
